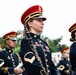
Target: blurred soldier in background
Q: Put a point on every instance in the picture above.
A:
(8, 59)
(72, 30)
(64, 64)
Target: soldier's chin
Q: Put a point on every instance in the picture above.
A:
(13, 47)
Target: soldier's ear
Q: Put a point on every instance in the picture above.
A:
(29, 23)
(6, 41)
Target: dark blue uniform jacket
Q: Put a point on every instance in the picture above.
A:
(73, 56)
(64, 67)
(32, 66)
(8, 60)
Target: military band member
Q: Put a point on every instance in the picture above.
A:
(8, 59)
(64, 64)
(72, 30)
(35, 53)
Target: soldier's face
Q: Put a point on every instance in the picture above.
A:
(66, 55)
(11, 43)
(75, 34)
(36, 25)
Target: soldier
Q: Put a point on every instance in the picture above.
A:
(64, 64)
(35, 53)
(72, 30)
(8, 59)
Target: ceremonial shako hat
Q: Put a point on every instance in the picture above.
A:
(11, 35)
(65, 50)
(72, 28)
(33, 11)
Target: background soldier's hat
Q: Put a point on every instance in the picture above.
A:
(11, 35)
(72, 28)
(33, 11)
(65, 50)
